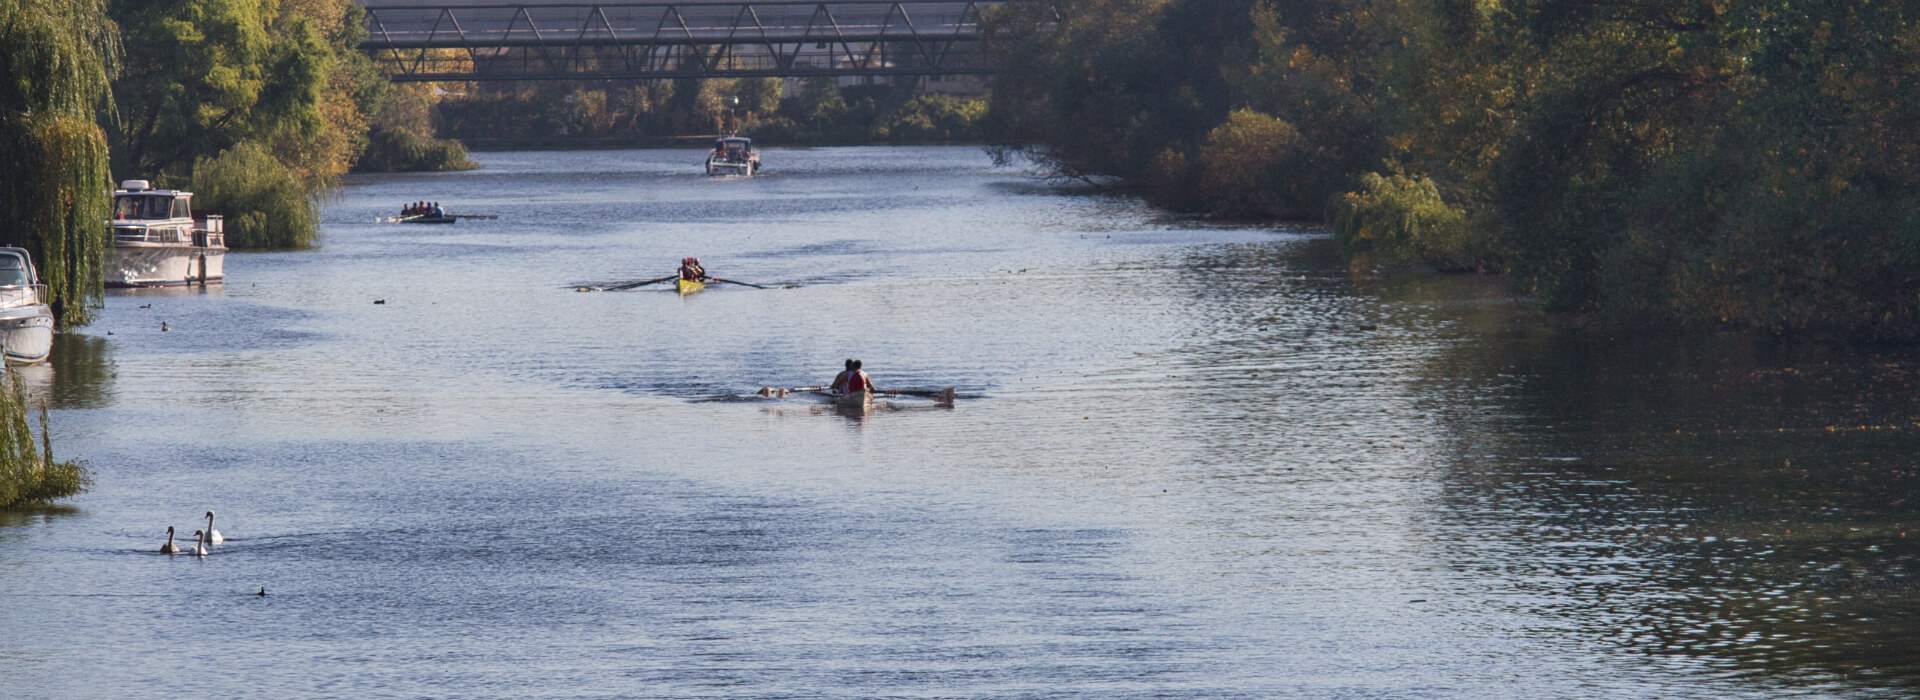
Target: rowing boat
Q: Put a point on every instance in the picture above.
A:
(689, 286)
(860, 400)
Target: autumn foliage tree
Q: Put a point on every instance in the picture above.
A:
(1735, 163)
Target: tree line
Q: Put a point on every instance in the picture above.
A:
(818, 111)
(257, 106)
(1690, 163)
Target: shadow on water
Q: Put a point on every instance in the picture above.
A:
(1722, 507)
(1722, 502)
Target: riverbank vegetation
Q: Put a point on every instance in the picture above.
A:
(1743, 164)
(28, 474)
(259, 105)
(57, 59)
(818, 112)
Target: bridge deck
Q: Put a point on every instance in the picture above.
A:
(700, 38)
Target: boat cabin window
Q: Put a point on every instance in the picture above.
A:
(180, 210)
(144, 206)
(13, 271)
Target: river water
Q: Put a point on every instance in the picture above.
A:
(1189, 460)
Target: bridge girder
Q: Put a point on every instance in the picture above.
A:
(693, 39)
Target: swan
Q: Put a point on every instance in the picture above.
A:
(199, 543)
(169, 547)
(213, 535)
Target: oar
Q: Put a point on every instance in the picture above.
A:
(781, 393)
(743, 284)
(615, 287)
(941, 394)
(631, 285)
(474, 216)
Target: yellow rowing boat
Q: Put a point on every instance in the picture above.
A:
(689, 286)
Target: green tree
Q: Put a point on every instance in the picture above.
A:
(205, 75)
(56, 59)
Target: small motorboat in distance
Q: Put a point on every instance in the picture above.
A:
(158, 243)
(733, 155)
(26, 322)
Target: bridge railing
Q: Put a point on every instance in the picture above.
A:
(671, 40)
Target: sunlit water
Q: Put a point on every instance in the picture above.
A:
(1189, 460)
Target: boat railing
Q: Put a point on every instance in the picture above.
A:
(213, 236)
(148, 234)
(18, 295)
(211, 232)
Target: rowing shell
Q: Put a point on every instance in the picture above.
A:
(689, 286)
(862, 400)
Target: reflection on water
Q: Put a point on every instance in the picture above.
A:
(83, 367)
(1736, 504)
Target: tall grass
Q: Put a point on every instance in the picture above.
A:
(264, 202)
(28, 474)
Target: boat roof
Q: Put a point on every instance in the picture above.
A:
(735, 139)
(141, 187)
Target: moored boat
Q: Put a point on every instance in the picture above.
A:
(26, 322)
(687, 286)
(733, 155)
(157, 242)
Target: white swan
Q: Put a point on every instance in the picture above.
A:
(169, 547)
(199, 543)
(212, 534)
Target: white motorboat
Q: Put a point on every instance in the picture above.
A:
(158, 243)
(733, 155)
(26, 322)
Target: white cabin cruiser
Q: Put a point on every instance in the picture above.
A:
(733, 155)
(26, 322)
(157, 242)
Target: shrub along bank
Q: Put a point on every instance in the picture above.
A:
(1744, 164)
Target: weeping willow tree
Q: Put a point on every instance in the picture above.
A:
(28, 474)
(56, 61)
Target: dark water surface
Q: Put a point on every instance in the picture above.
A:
(1191, 461)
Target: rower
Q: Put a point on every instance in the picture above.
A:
(691, 271)
(857, 380)
(840, 380)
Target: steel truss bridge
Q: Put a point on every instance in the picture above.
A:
(688, 39)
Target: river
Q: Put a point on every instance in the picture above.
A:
(1189, 460)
